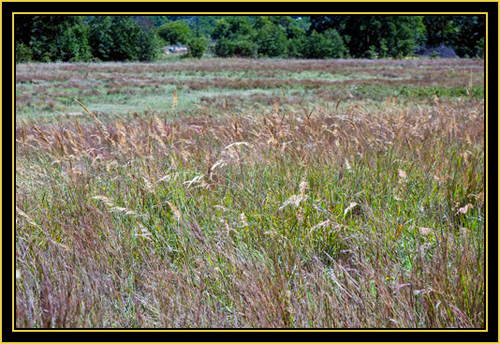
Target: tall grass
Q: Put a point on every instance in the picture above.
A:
(321, 218)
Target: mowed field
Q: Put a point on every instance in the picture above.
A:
(237, 193)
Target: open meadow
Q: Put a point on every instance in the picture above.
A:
(240, 193)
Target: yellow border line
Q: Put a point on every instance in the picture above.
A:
(244, 13)
(246, 1)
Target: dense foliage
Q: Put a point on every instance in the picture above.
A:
(465, 34)
(51, 38)
(139, 38)
(76, 38)
(197, 45)
(235, 37)
(175, 32)
(369, 36)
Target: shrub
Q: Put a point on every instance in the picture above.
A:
(239, 46)
(480, 48)
(126, 34)
(150, 46)
(100, 38)
(338, 49)
(175, 32)
(197, 46)
(271, 41)
(120, 38)
(327, 45)
(23, 53)
(296, 42)
(371, 53)
(399, 34)
(58, 38)
(232, 27)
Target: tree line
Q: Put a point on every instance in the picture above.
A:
(141, 38)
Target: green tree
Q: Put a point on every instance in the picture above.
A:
(462, 33)
(234, 38)
(23, 53)
(231, 27)
(440, 30)
(53, 38)
(297, 39)
(158, 20)
(207, 24)
(100, 37)
(367, 35)
(480, 48)
(24, 27)
(335, 44)
(327, 45)
(271, 38)
(120, 38)
(150, 46)
(175, 32)
(285, 22)
(239, 46)
(400, 35)
(198, 45)
(125, 34)
(470, 31)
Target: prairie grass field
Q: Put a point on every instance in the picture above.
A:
(239, 193)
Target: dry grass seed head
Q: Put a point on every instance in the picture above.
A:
(174, 100)
(175, 211)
